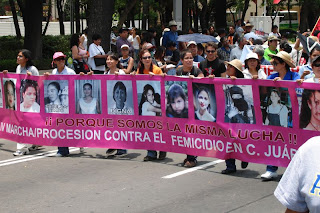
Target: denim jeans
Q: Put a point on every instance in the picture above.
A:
(63, 150)
(152, 153)
(231, 164)
(272, 168)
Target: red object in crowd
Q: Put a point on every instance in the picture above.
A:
(276, 1)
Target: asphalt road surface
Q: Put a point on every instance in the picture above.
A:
(90, 182)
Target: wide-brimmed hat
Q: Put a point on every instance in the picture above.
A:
(285, 57)
(249, 25)
(58, 55)
(272, 38)
(172, 23)
(252, 55)
(236, 63)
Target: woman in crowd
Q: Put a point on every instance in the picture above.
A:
(88, 104)
(113, 63)
(10, 94)
(281, 64)
(97, 58)
(238, 112)
(252, 67)
(203, 103)
(159, 57)
(126, 61)
(277, 113)
(315, 65)
(79, 54)
(136, 44)
(147, 67)
(310, 110)
(84, 39)
(187, 68)
(148, 105)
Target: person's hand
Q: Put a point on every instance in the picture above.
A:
(133, 73)
(255, 77)
(90, 73)
(151, 74)
(163, 74)
(191, 76)
(29, 73)
(233, 77)
(212, 76)
(306, 72)
(233, 111)
(116, 73)
(5, 71)
(277, 79)
(46, 74)
(299, 81)
(81, 73)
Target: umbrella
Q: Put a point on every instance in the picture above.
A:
(307, 43)
(197, 37)
(251, 35)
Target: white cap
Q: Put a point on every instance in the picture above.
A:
(252, 55)
(191, 42)
(124, 45)
(172, 23)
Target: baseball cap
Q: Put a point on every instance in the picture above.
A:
(58, 55)
(124, 45)
(191, 42)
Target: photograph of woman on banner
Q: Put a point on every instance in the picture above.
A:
(310, 110)
(177, 99)
(276, 113)
(88, 97)
(29, 96)
(149, 98)
(56, 99)
(121, 101)
(10, 93)
(204, 102)
(239, 104)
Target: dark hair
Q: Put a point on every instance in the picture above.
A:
(114, 57)
(317, 47)
(207, 91)
(305, 112)
(184, 53)
(141, 65)
(176, 91)
(257, 67)
(120, 85)
(55, 84)
(274, 91)
(85, 31)
(159, 52)
(285, 46)
(28, 55)
(274, 27)
(224, 38)
(281, 61)
(221, 31)
(96, 37)
(146, 37)
(211, 44)
(123, 30)
(146, 88)
(236, 37)
(74, 40)
(87, 84)
(29, 83)
(171, 44)
(193, 30)
(6, 84)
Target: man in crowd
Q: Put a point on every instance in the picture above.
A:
(237, 51)
(231, 34)
(272, 47)
(225, 50)
(260, 52)
(212, 65)
(171, 35)
(123, 39)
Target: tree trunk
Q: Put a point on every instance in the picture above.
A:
(196, 16)
(145, 14)
(220, 15)
(77, 14)
(60, 14)
(186, 20)
(203, 15)
(15, 19)
(126, 12)
(246, 6)
(100, 20)
(32, 18)
(289, 14)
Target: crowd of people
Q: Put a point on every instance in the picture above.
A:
(134, 54)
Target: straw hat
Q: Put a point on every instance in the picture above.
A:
(249, 25)
(272, 38)
(236, 63)
(285, 57)
(172, 23)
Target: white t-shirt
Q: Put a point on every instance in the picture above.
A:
(23, 70)
(248, 75)
(136, 43)
(312, 80)
(299, 186)
(145, 110)
(65, 71)
(93, 51)
(34, 108)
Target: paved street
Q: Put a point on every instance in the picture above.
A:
(91, 183)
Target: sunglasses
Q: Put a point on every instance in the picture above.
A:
(125, 49)
(210, 51)
(316, 65)
(20, 56)
(59, 59)
(147, 57)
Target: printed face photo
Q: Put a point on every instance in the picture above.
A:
(309, 117)
(275, 106)
(149, 98)
(56, 96)
(239, 104)
(29, 96)
(9, 88)
(204, 101)
(121, 100)
(176, 99)
(88, 96)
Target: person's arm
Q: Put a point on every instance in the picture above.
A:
(153, 108)
(78, 109)
(284, 116)
(75, 53)
(130, 66)
(98, 107)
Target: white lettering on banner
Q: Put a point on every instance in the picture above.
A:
(132, 136)
(280, 152)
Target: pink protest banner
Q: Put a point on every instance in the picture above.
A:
(251, 120)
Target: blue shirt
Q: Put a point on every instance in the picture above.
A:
(289, 76)
(169, 36)
(265, 62)
(306, 67)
